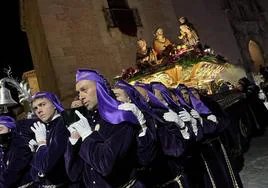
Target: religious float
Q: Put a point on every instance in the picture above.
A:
(188, 62)
(195, 65)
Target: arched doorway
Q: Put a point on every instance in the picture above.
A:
(255, 54)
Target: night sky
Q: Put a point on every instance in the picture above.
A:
(15, 51)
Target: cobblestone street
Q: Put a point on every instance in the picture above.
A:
(255, 171)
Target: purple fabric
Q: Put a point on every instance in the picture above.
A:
(136, 98)
(165, 94)
(51, 156)
(178, 94)
(7, 121)
(50, 96)
(197, 104)
(107, 105)
(148, 87)
(154, 102)
(105, 154)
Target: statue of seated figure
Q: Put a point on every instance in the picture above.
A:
(188, 33)
(161, 45)
(145, 56)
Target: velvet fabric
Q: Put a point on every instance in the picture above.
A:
(154, 102)
(165, 94)
(19, 156)
(107, 105)
(48, 160)
(8, 121)
(106, 158)
(136, 98)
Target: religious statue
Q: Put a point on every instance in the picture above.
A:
(145, 55)
(188, 33)
(162, 46)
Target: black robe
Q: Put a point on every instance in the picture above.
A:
(106, 158)
(48, 160)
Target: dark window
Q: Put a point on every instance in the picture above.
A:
(120, 15)
(117, 3)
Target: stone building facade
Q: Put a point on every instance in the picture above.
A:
(64, 35)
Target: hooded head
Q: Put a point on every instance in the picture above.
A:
(193, 101)
(46, 105)
(164, 95)
(95, 92)
(6, 124)
(153, 100)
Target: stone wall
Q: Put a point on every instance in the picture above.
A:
(39, 47)
(66, 34)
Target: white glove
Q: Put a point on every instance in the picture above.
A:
(196, 115)
(185, 116)
(185, 133)
(194, 126)
(262, 95)
(135, 110)
(171, 116)
(72, 130)
(33, 145)
(143, 132)
(212, 118)
(40, 132)
(82, 126)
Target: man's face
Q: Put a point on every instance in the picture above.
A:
(158, 95)
(3, 129)
(196, 94)
(87, 93)
(121, 95)
(174, 98)
(185, 95)
(143, 92)
(44, 109)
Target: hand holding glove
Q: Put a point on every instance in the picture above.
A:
(40, 132)
(194, 125)
(196, 115)
(33, 145)
(171, 116)
(135, 110)
(185, 116)
(74, 135)
(82, 126)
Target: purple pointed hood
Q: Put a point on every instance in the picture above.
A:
(136, 98)
(50, 96)
(154, 102)
(107, 105)
(8, 121)
(165, 94)
(197, 104)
